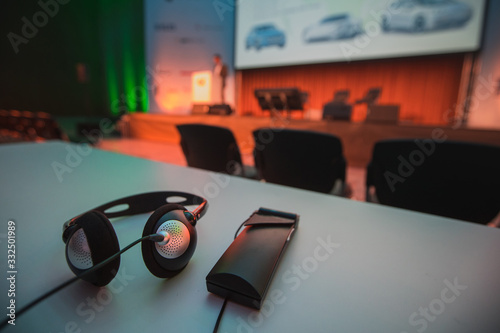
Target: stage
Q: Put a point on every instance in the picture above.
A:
(357, 138)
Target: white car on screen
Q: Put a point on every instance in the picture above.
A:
(333, 27)
(425, 15)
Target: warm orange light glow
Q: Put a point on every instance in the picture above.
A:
(169, 100)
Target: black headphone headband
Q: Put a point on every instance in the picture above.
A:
(148, 202)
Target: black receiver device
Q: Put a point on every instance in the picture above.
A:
(244, 272)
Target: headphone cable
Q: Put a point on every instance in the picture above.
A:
(153, 237)
(217, 323)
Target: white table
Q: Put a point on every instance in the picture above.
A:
(385, 268)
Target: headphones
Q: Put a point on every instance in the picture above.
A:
(91, 239)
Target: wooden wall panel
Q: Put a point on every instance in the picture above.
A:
(424, 87)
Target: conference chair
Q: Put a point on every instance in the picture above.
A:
(8, 136)
(454, 179)
(370, 97)
(303, 159)
(16, 127)
(4, 119)
(30, 126)
(47, 127)
(211, 148)
(338, 108)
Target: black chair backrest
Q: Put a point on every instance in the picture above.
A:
(341, 96)
(302, 159)
(211, 148)
(371, 96)
(454, 179)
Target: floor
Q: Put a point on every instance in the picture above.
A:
(172, 153)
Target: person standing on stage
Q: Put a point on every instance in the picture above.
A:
(218, 80)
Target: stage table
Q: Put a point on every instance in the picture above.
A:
(350, 267)
(357, 138)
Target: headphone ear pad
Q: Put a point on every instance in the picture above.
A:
(167, 260)
(91, 241)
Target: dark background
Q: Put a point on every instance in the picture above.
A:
(106, 36)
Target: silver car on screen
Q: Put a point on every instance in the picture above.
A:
(425, 15)
(333, 27)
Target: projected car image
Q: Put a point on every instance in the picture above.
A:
(425, 15)
(265, 35)
(333, 27)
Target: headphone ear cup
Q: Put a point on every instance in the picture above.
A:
(167, 260)
(91, 241)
